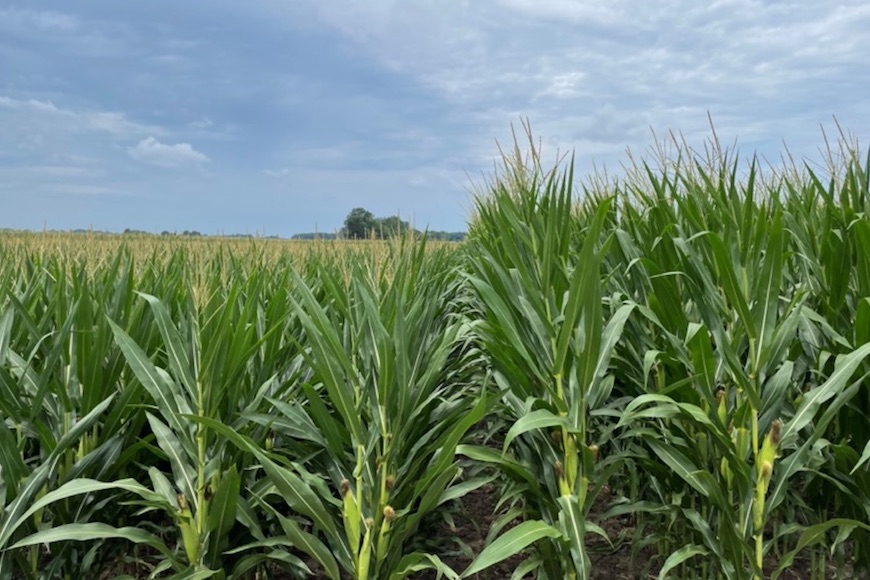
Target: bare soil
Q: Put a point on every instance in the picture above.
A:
(609, 561)
(478, 513)
(475, 514)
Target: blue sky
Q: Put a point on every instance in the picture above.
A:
(279, 116)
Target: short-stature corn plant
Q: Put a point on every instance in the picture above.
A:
(60, 422)
(340, 398)
(199, 377)
(366, 450)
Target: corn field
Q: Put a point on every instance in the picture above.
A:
(685, 349)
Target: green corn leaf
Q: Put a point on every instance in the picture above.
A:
(505, 319)
(813, 535)
(845, 367)
(163, 487)
(775, 395)
(328, 356)
(583, 296)
(731, 285)
(179, 360)
(572, 518)
(194, 574)
(699, 479)
(94, 531)
(242, 569)
(309, 544)
(270, 542)
(703, 360)
(222, 510)
(14, 469)
(12, 518)
(534, 421)
(447, 445)
(683, 554)
(508, 465)
(862, 320)
(865, 457)
(292, 488)
(766, 307)
(512, 542)
(526, 568)
(6, 320)
(610, 336)
(85, 486)
(419, 561)
(180, 459)
(166, 395)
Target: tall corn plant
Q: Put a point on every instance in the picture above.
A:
(722, 432)
(828, 215)
(535, 270)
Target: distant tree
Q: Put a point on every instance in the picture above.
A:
(313, 236)
(392, 226)
(446, 236)
(361, 224)
(358, 223)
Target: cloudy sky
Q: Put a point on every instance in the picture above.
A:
(279, 116)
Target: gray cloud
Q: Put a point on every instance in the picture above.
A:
(600, 75)
(40, 115)
(84, 190)
(392, 104)
(21, 20)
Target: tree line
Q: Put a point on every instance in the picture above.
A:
(361, 224)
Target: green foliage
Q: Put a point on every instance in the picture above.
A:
(687, 346)
(360, 224)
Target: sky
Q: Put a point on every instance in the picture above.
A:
(275, 117)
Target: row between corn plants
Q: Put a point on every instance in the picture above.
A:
(686, 346)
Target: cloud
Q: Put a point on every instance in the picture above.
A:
(402, 103)
(39, 114)
(85, 190)
(46, 171)
(202, 123)
(565, 85)
(153, 152)
(616, 69)
(45, 20)
(337, 156)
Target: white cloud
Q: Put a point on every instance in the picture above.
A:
(40, 115)
(565, 85)
(153, 152)
(202, 123)
(277, 172)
